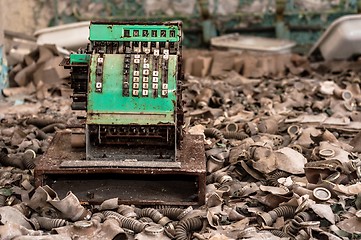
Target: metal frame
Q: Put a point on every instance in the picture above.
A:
(132, 185)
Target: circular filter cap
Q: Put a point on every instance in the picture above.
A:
(326, 152)
(83, 224)
(346, 95)
(293, 130)
(232, 127)
(153, 230)
(322, 193)
(32, 152)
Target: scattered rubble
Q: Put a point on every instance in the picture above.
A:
(282, 154)
(37, 72)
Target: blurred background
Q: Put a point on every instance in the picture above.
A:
(300, 20)
(26, 24)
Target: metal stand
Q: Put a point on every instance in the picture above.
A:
(66, 169)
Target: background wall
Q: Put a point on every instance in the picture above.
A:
(3, 68)
(27, 16)
(300, 20)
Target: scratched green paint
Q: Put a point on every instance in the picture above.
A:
(113, 32)
(111, 107)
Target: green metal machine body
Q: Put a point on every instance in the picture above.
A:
(130, 144)
(127, 81)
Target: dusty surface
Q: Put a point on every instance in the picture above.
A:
(287, 140)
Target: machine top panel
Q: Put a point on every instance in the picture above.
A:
(135, 32)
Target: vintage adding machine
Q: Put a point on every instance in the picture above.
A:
(127, 81)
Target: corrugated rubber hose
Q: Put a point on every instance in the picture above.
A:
(188, 225)
(126, 222)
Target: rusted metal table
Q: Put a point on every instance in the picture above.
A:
(132, 185)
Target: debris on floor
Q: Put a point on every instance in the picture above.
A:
(38, 72)
(282, 149)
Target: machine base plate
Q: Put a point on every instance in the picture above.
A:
(65, 169)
